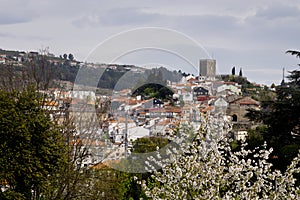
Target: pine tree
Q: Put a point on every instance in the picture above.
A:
(241, 73)
(71, 57)
(282, 118)
(65, 56)
(233, 71)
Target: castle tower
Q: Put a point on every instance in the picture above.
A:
(208, 69)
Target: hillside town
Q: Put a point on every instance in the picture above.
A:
(107, 122)
(140, 100)
(135, 117)
(122, 117)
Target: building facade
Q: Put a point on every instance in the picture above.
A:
(208, 69)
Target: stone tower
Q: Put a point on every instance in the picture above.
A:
(208, 69)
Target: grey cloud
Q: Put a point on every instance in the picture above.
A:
(246, 41)
(89, 20)
(6, 35)
(13, 19)
(209, 23)
(37, 38)
(127, 16)
(16, 11)
(277, 11)
(24, 37)
(116, 17)
(269, 30)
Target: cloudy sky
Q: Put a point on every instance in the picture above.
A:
(252, 35)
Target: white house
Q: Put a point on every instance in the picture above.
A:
(137, 132)
(83, 94)
(232, 88)
(220, 105)
(2, 60)
(240, 135)
(186, 95)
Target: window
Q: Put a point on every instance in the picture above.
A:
(234, 118)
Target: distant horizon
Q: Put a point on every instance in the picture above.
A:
(161, 65)
(253, 35)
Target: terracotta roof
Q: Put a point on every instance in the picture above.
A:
(133, 102)
(175, 110)
(86, 142)
(206, 109)
(165, 122)
(106, 164)
(112, 121)
(120, 99)
(64, 92)
(249, 102)
(123, 120)
(203, 98)
(50, 103)
(245, 101)
(90, 103)
(230, 83)
(75, 101)
(157, 110)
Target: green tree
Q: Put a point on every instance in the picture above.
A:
(31, 146)
(71, 57)
(39, 170)
(65, 56)
(273, 85)
(144, 145)
(153, 90)
(233, 71)
(241, 72)
(108, 183)
(255, 136)
(281, 117)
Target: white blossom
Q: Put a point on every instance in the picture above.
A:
(208, 169)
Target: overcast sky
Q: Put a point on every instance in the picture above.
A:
(252, 35)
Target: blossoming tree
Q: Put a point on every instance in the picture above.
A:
(207, 168)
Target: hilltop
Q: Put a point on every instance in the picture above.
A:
(65, 68)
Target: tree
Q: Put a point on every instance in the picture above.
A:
(282, 117)
(153, 90)
(144, 145)
(294, 53)
(42, 177)
(241, 73)
(71, 57)
(114, 184)
(37, 71)
(233, 71)
(31, 146)
(65, 56)
(207, 168)
(285, 113)
(273, 86)
(255, 136)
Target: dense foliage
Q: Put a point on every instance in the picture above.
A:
(153, 90)
(31, 147)
(144, 145)
(281, 121)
